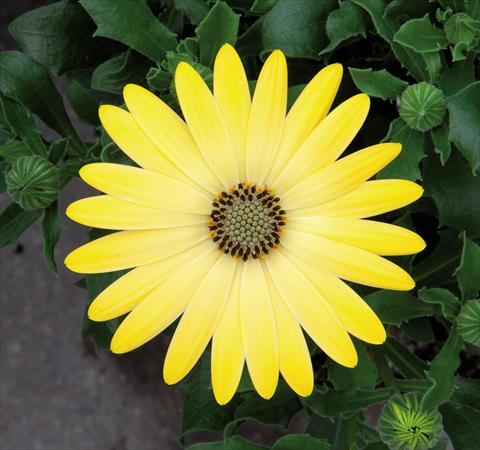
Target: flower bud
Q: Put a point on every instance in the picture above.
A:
(405, 426)
(468, 322)
(422, 106)
(33, 182)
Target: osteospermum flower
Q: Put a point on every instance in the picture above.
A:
(242, 221)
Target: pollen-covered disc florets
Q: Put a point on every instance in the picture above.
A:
(247, 221)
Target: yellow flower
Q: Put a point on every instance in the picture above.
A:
(242, 221)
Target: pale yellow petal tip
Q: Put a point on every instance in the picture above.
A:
(378, 336)
(184, 69)
(69, 262)
(336, 69)
(96, 314)
(104, 112)
(277, 55)
(305, 387)
(227, 48)
(170, 377)
(131, 89)
(223, 396)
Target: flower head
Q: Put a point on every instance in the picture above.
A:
(241, 220)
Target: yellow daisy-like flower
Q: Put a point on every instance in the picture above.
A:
(242, 221)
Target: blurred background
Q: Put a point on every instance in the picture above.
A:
(55, 391)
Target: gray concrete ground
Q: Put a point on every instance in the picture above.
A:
(55, 392)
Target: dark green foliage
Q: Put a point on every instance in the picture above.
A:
(398, 52)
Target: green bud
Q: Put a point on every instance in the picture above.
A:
(33, 182)
(422, 106)
(468, 322)
(461, 28)
(405, 426)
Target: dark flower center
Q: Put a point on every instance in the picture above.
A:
(247, 221)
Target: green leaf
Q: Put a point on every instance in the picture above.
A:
(83, 99)
(464, 115)
(231, 443)
(195, 10)
(467, 271)
(344, 23)
(468, 322)
(297, 28)
(419, 329)
(23, 125)
(159, 79)
(440, 265)
(362, 376)
(461, 425)
(51, 230)
(467, 392)
(58, 36)
(457, 77)
(133, 24)
(420, 35)
(441, 142)
(219, 27)
(14, 221)
(200, 409)
(262, 6)
(300, 441)
(279, 410)
(406, 362)
(442, 371)
(14, 149)
(406, 165)
(394, 307)
(28, 82)
(58, 150)
(421, 66)
(250, 42)
(449, 303)
(455, 192)
(112, 75)
(461, 28)
(380, 83)
(331, 403)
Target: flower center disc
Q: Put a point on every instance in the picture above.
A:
(247, 221)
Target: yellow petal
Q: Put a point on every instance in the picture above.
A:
(206, 124)
(126, 133)
(313, 312)
(309, 109)
(228, 356)
(376, 237)
(267, 117)
(104, 211)
(295, 362)
(128, 291)
(351, 309)
(170, 134)
(340, 177)
(258, 329)
(369, 199)
(347, 262)
(127, 249)
(327, 142)
(163, 305)
(199, 320)
(145, 188)
(230, 86)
